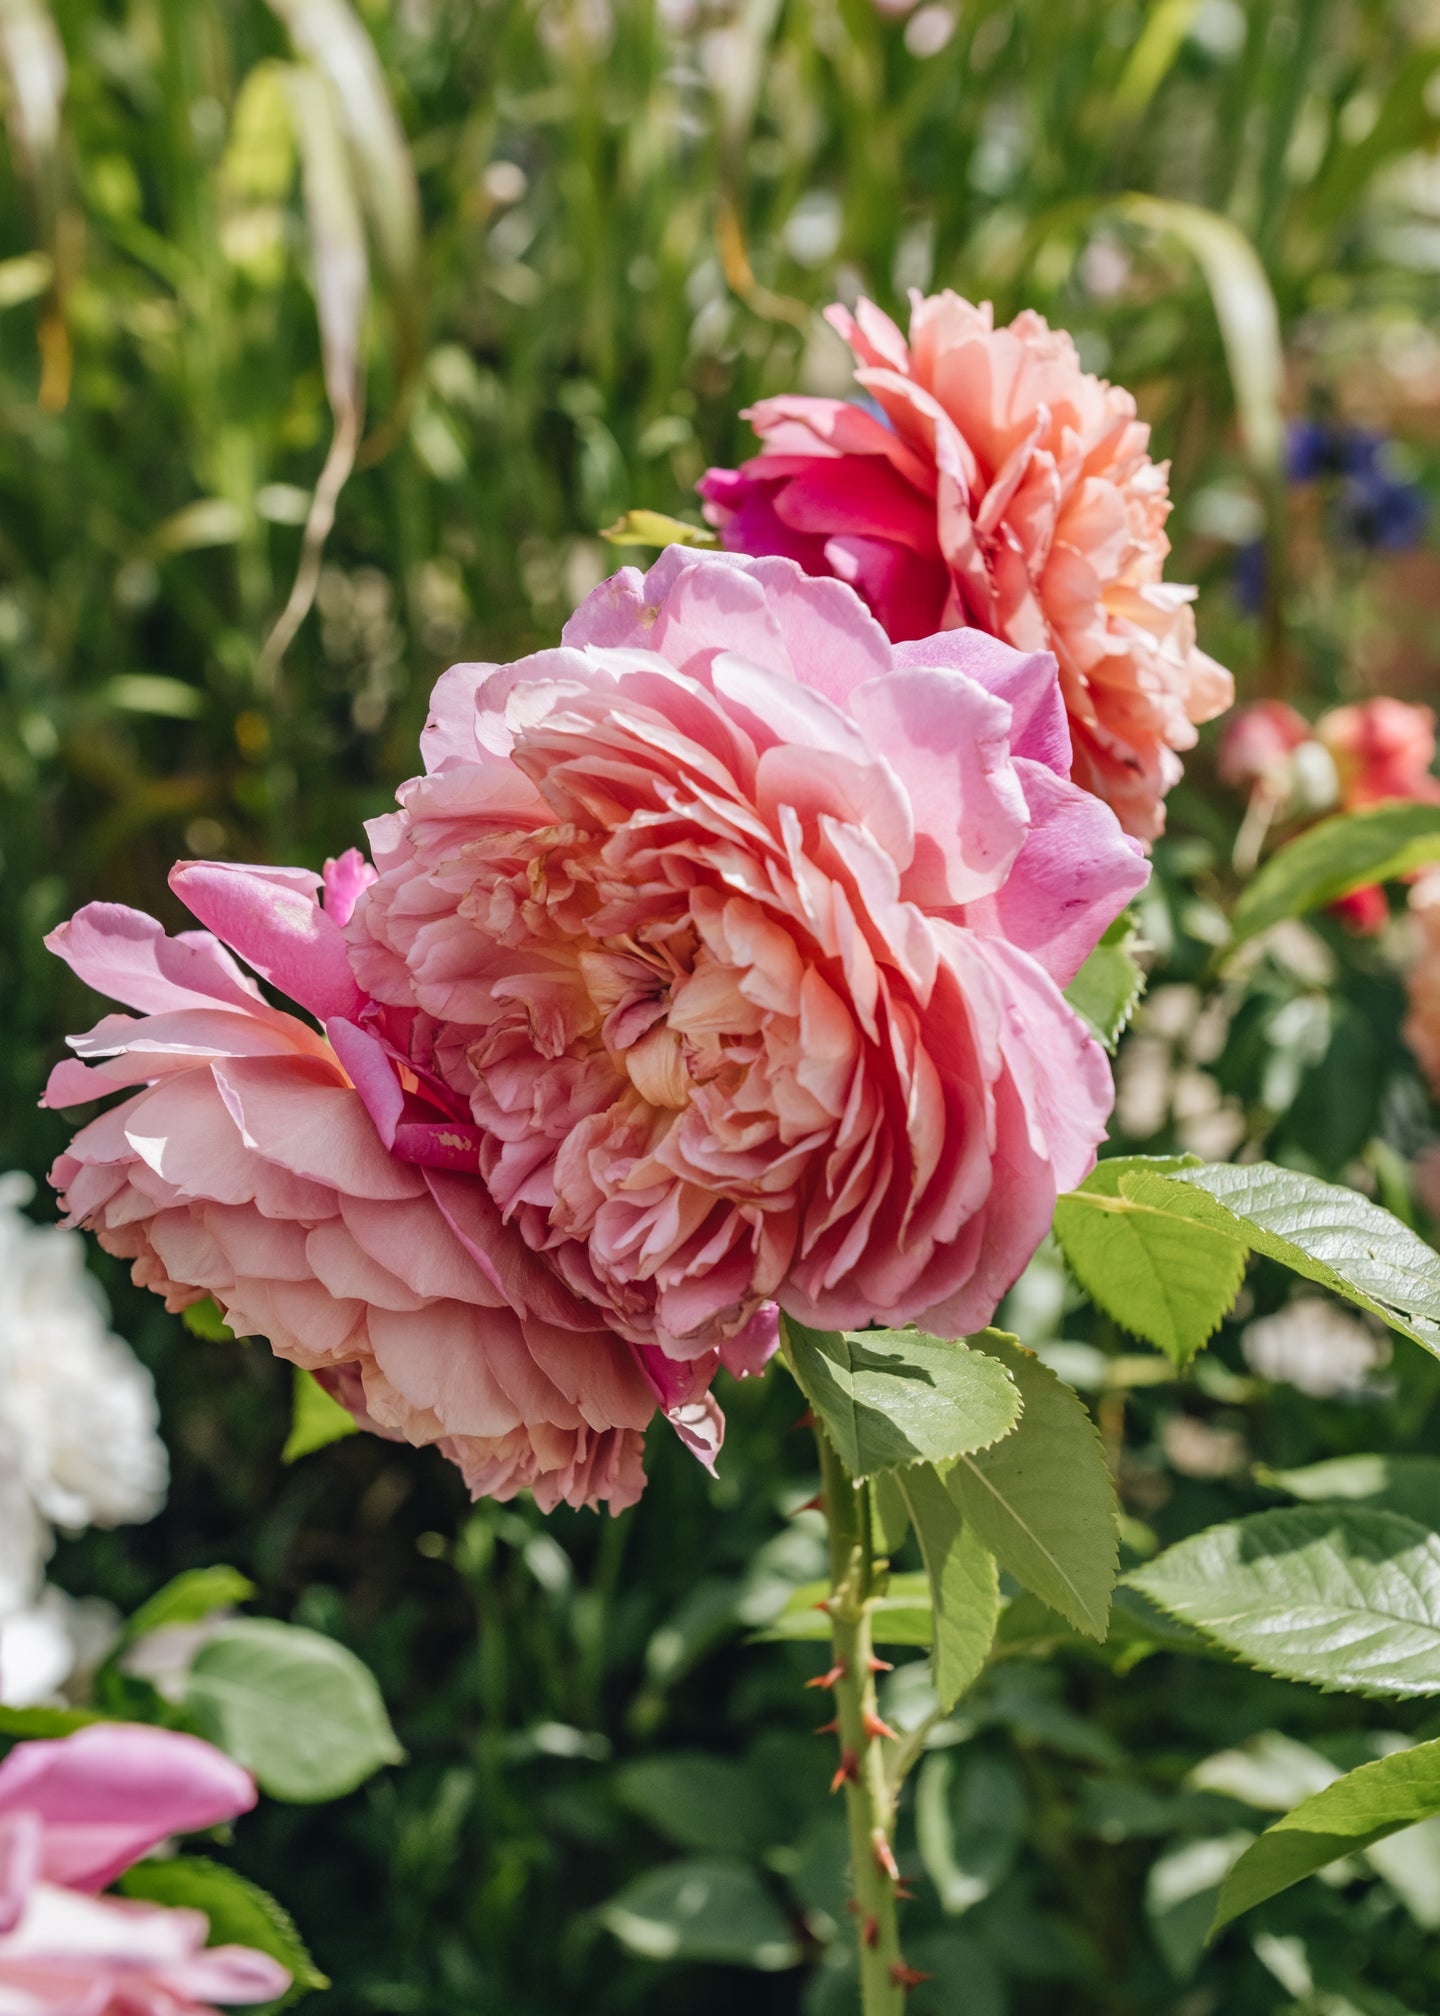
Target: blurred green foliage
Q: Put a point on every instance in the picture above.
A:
(534, 293)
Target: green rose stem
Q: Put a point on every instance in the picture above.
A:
(869, 1795)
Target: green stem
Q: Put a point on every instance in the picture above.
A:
(869, 1799)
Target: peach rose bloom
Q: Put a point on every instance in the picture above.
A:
(1000, 487)
(1382, 748)
(295, 1167)
(1422, 983)
(739, 934)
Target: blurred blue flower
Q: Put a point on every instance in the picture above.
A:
(1375, 506)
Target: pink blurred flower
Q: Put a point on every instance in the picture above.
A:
(1257, 744)
(999, 487)
(1382, 749)
(739, 934)
(74, 1814)
(325, 1193)
(1422, 981)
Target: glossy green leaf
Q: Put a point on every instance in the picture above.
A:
(703, 1909)
(964, 1583)
(890, 1397)
(1405, 1484)
(889, 1516)
(190, 1598)
(700, 1801)
(1361, 1808)
(1341, 1598)
(1042, 1500)
(1151, 1259)
(240, 1913)
(316, 1420)
(969, 1825)
(1108, 986)
(292, 1706)
(1338, 855)
(25, 1724)
(1328, 1233)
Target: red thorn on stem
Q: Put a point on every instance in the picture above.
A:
(848, 1770)
(816, 1504)
(874, 1728)
(904, 1894)
(807, 1420)
(870, 1932)
(829, 1679)
(881, 1665)
(827, 1728)
(884, 1854)
(907, 1977)
(823, 1604)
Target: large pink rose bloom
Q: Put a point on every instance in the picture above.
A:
(741, 933)
(302, 1173)
(76, 1813)
(1002, 488)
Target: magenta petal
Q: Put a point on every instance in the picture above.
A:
(126, 955)
(110, 1792)
(21, 1836)
(346, 878)
(276, 925)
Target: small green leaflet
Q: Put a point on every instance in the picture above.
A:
(1334, 1236)
(1405, 1484)
(1357, 1810)
(189, 1598)
(316, 1420)
(28, 1723)
(1338, 855)
(1173, 1271)
(1147, 1259)
(703, 1908)
(964, 1584)
(900, 1616)
(889, 1397)
(1108, 986)
(299, 1711)
(1339, 1596)
(653, 528)
(240, 1913)
(1043, 1500)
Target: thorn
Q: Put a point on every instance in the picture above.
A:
(884, 1854)
(874, 1728)
(807, 1420)
(815, 1504)
(881, 1665)
(904, 1894)
(847, 1769)
(907, 1977)
(823, 1604)
(870, 1932)
(827, 1728)
(828, 1679)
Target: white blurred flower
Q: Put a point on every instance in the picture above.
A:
(1314, 1346)
(78, 1435)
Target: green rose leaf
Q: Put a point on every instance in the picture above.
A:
(1108, 986)
(1344, 1598)
(1151, 1258)
(240, 1913)
(25, 1724)
(964, 1584)
(703, 1908)
(316, 1420)
(189, 1599)
(1330, 1235)
(1357, 1810)
(292, 1706)
(1331, 859)
(1042, 1500)
(890, 1397)
(1405, 1484)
